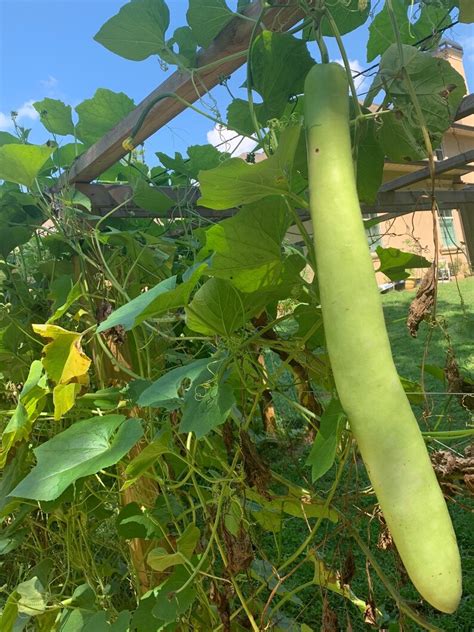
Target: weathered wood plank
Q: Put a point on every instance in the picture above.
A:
(226, 53)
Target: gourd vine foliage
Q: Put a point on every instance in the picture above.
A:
(140, 358)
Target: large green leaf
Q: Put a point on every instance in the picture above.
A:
(237, 182)
(279, 63)
(430, 18)
(323, 452)
(395, 262)
(348, 15)
(30, 405)
(7, 139)
(170, 600)
(137, 31)
(370, 162)
(158, 300)
(55, 115)
(207, 18)
(207, 404)
(82, 450)
(99, 114)
(151, 198)
(248, 247)
(439, 88)
(18, 220)
(400, 140)
(22, 163)
(164, 392)
(240, 119)
(217, 308)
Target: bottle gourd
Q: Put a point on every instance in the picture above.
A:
(380, 416)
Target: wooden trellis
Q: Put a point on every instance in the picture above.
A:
(225, 54)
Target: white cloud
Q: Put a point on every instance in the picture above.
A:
(6, 122)
(228, 140)
(26, 111)
(356, 67)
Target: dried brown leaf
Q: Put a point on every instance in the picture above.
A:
(423, 301)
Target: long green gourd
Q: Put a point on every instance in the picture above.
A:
(367, 382)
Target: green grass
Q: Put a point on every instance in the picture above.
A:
(442, 412)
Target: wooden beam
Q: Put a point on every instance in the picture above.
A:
(440, 167)
(226, 53)
(105, 197)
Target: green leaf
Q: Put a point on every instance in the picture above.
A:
(99, 115)
(9, 613)
(279, 63)
(137, 31)
(145, 460)
(370, 162)
(8, 139)
(323, 452)
(217, 308)
(430, 18)
(18, 220)
(55, 115)
(239, 118)
(64, 294)
(12, 473)
(307, 316)
(30, 405)
(439, 88)
(400, 141)
(466, 11)
(164, 392)
(151, 198)
(63, 157)
(347, 15)
(22, 163)
(270, 513)
(207, 404)
(132, 522)
(184, 38)
(248, 247)
(32, 601)
(394, 262)
(207, 18)
(82, 450)
(169, 602)
(160, 559)
(159, 300)
(237, 182)
(200, 157)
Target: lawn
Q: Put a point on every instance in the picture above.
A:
(287, 456)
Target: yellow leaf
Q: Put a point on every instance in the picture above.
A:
(63, 358)
(64, 396)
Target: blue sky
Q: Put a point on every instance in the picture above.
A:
(47, 49)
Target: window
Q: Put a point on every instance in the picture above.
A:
(446, 225)
(373, 233)
(439, 153)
